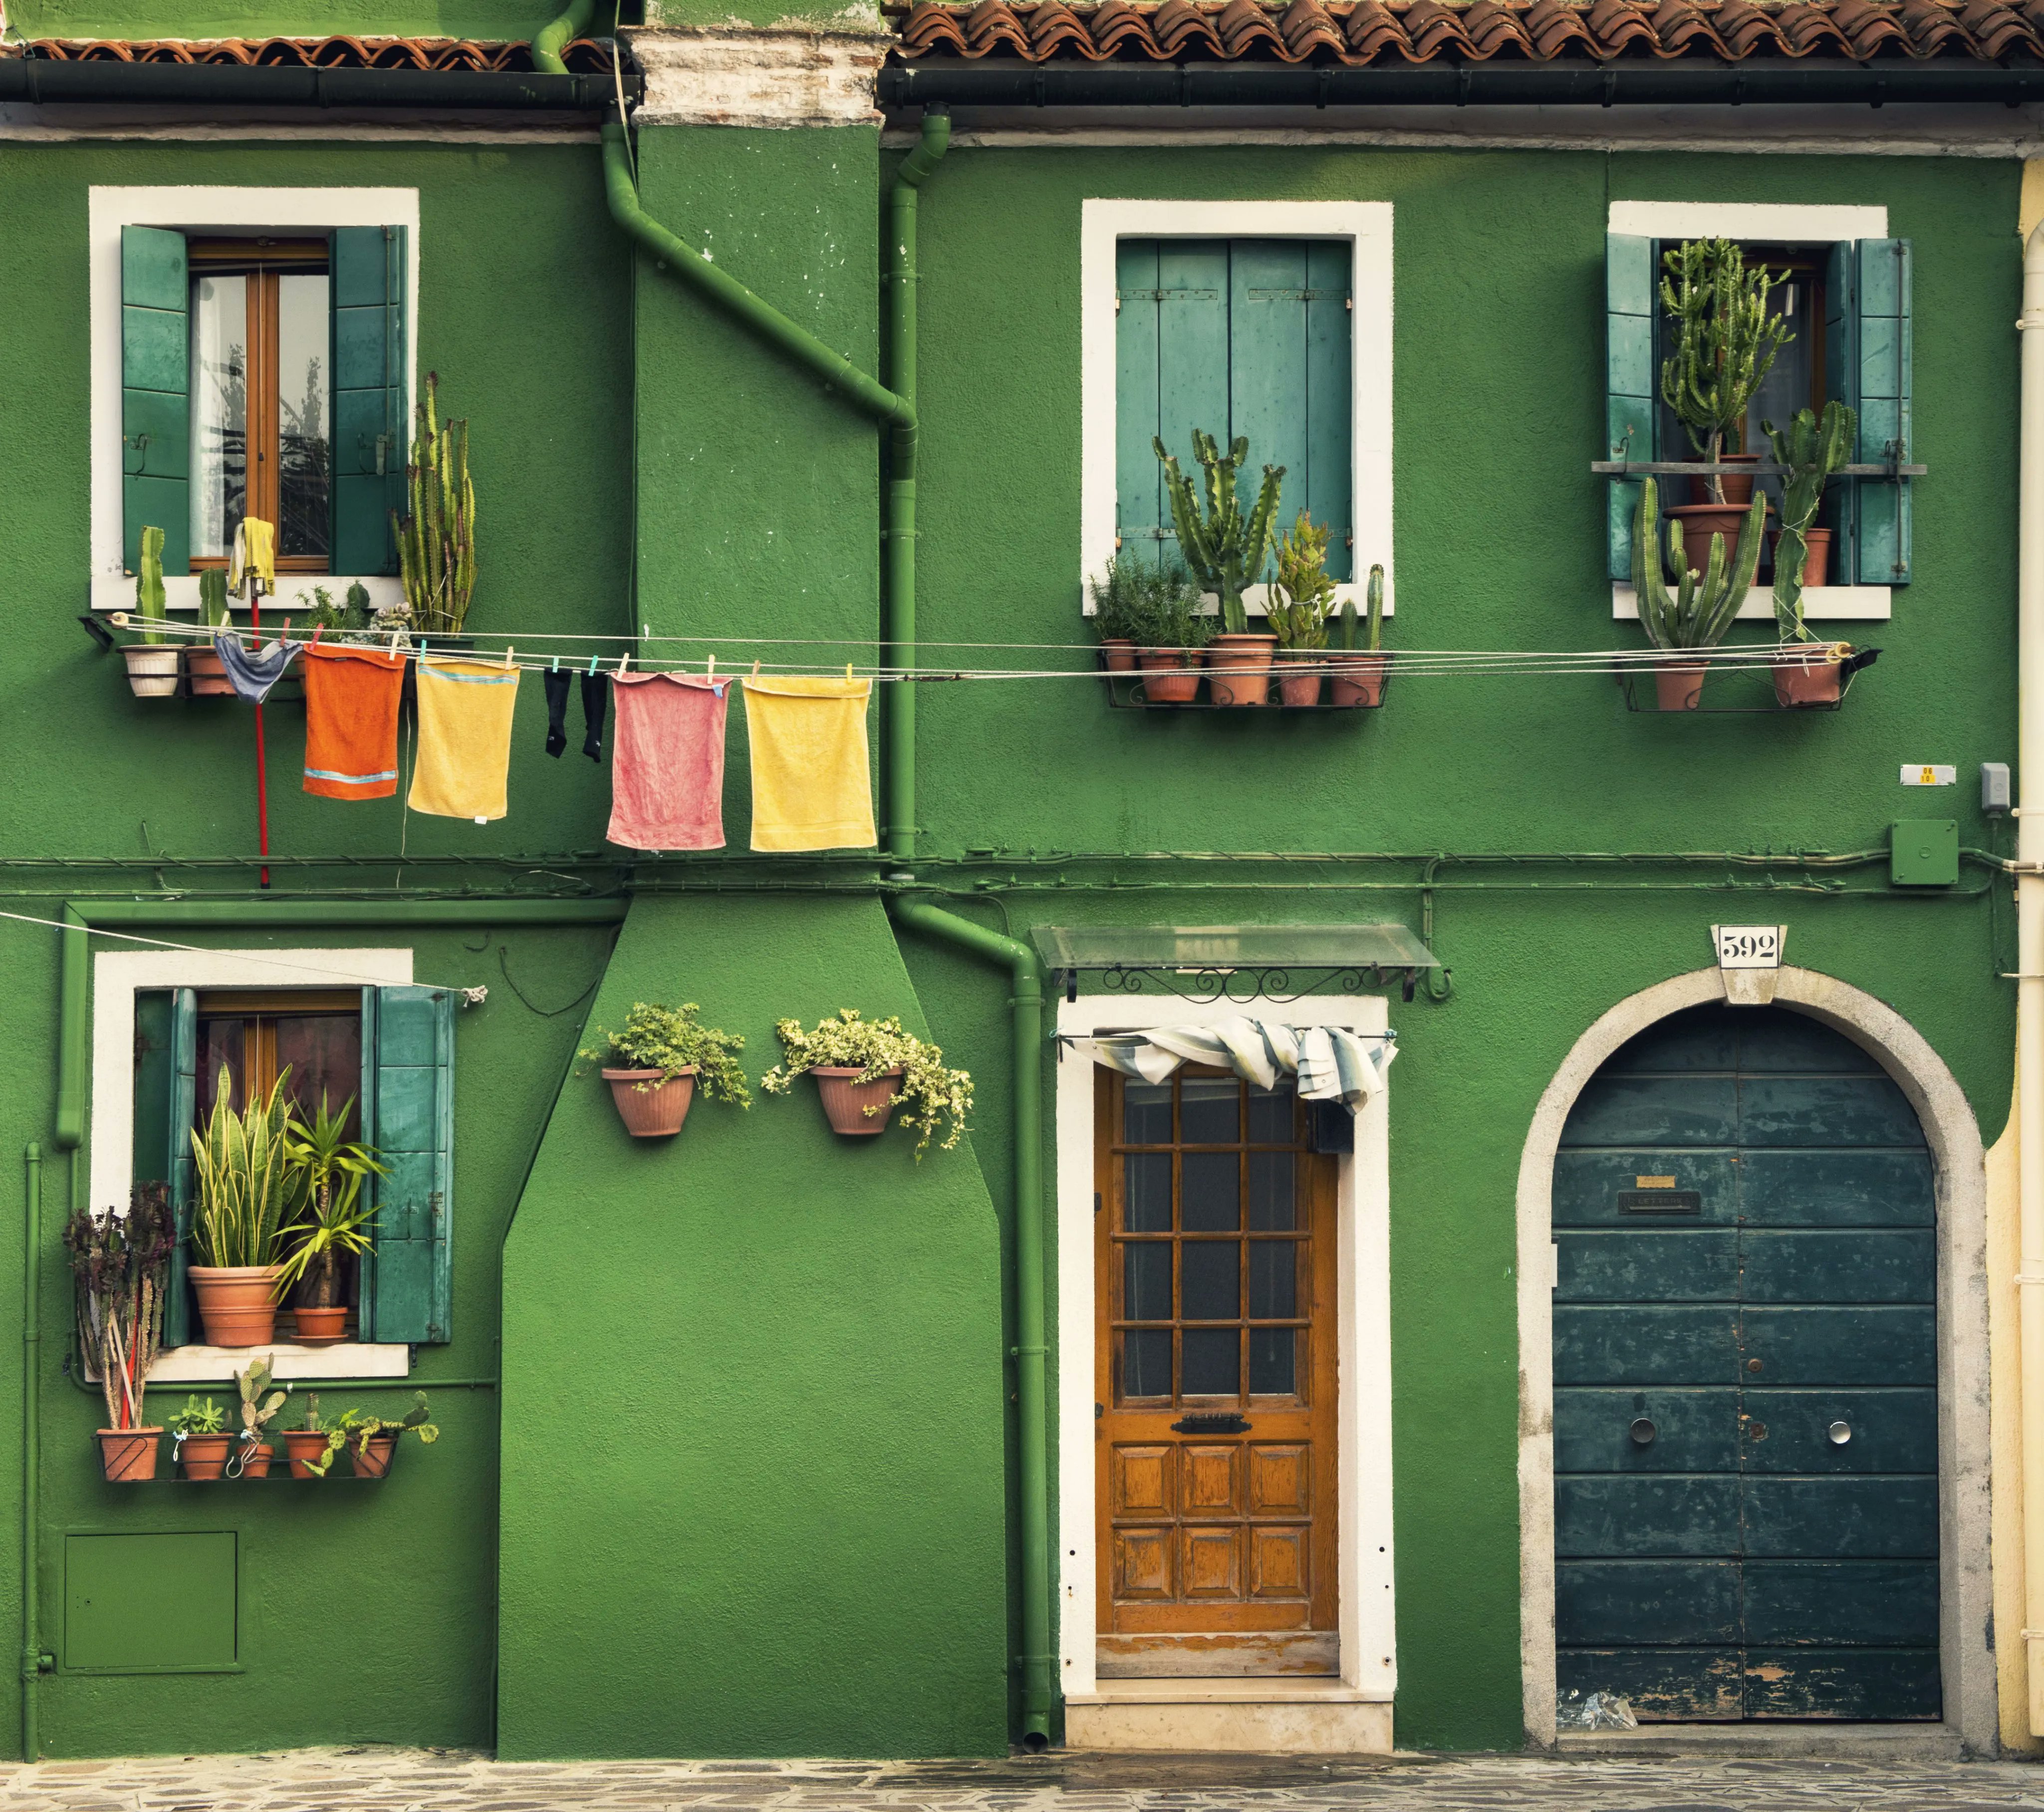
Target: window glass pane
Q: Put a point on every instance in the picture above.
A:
(219, 1042)
(1210, 1192)
(1271, 1200)
(1209, 1110)
(1273, 1368)
(1270, 1115)
(1145, 1362)
(1211, 1358)
(324, 1052)
(1210, 1280)
(1274, 1280)
(305, 480)
(219, 412)
(1145, 1178)
(1145, 1114)
(1146, 1281)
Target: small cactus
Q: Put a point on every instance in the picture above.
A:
(1225, 549)
(213, 596)
(436, 538)
(149, 584)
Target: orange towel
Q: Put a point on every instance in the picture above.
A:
(351, 698)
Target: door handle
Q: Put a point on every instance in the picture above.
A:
(1232, 1422)
(1839, 1434)
(1642, 1431)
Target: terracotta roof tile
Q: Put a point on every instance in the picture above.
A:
(339, 52)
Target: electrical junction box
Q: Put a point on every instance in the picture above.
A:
(1924, 852)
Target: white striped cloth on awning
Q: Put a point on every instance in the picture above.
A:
(1331, 1063)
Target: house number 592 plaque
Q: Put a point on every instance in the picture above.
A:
(1748, 956)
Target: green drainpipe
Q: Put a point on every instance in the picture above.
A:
(32, 1380)
(555, 36)
(1026, 1005)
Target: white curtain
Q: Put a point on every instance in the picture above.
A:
(1331, 1064)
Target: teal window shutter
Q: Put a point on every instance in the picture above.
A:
(1842, 375)
(370, 406)
(166, 1099)
(1881, 267)
(1630, 417)
(156, 395)
(408, 1102)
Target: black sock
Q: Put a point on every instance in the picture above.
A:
(557, 711)
(595, 702)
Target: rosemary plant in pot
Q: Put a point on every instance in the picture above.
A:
(204, 670)
(244, 1171)
(1359, 675)
(1814, 450)
(330, 1221)
(865, 1069)
(152, 667)
(119, 1266)
(1726, 337)
(200, 1441)
(1119, 614)
(1701, 609)
(1300, 598)
(664, 1052)
(1226, 549)
(1171, 629)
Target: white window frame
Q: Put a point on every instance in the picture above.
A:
(1769, 223)
(116, 977)
(231, 213)
(1367, 225)
(1367, 1614)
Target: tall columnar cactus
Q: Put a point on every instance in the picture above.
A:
(1726, 340)
(149, 584)
(1224, 548)
(436, 538)
(1815, 450)
(213, 596)
(1376, 608)
(1702, 607)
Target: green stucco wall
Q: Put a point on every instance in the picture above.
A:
(490, 20)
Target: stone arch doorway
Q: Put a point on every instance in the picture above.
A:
(1958, 1482)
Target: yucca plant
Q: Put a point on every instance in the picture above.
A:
(330, 1219)
(244, 1172)
(436, 538)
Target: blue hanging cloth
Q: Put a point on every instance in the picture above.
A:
(253, 675)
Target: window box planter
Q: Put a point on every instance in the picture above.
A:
(152, 670)
(1238, 668)
(372, 1458)
(1359, 680)
(1169, 676)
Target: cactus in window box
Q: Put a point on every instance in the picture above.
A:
(1726, 337)
(1376, 608)
(1224, 548)
(1813, 450)
(149, 585)
(437, 537)
(1302, 594)
(213, 596)
(1701, 609)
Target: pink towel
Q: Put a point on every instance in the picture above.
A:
(667, 766)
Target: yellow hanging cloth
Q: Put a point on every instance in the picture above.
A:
(811, 782)
(465, 711)
(255, 551)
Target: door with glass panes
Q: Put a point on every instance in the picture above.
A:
(1214, 1375)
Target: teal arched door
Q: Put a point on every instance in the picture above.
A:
(1746, 1403)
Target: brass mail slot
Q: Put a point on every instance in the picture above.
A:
(1660, 1202)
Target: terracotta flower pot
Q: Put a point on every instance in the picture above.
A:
(1817, 554)
(1358, 679)
(1678, 689)
(255, 1461)
(845, 1101)
(301, 1444)
(1700, 521)
(654, 1112)
(1301, 690)
(205, 1455)
(207, 673)
(1737, 491)
(1238, 668)
(372, 1458)
(320, 1327)
(153, 672)
(1813, 678)
(128, 1456)
(1170, 677)
(237, 1302)
(1118, 653)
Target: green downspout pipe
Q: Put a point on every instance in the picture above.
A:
(555, 36)
(1026, 1006)
(32, 1379)
(900, 597)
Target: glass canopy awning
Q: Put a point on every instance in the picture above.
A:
(1239, 962)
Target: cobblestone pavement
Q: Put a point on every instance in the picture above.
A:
(428, 1781)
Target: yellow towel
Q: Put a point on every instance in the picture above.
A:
(465, 711)
(255, 551)
(811, 785)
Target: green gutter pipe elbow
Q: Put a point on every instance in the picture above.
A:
(1026, 1005)
(32, 1380)
(555, 36)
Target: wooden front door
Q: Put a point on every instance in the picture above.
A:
(1746, 1398)
(1215, 1303)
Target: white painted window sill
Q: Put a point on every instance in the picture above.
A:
(1240, 1689)
(116, 591)
(1836, 604)
(218, 1364)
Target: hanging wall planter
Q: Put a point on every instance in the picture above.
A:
(371, 1458)
(865, 1069)
(1359, 680)
(207, 674)
(1169, 676)
(668, 1054)
(305, 1447)
(855, 1108)
(128, 1456)
(652, 1103)
(204, 1456)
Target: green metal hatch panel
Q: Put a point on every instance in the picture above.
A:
(156, 1603)
(1075, 947)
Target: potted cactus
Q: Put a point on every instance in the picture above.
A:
(204, 669)
(665, 1052)
(152, 667)
(865, 1069)
(437, 537)
(1814, 450)
(1359, 674)
(310, 1448)
(200, 1441)
(119, 1263)
(1698, 613)
(370, 1441)
(1226, 551)
(1300, 597)
(260, 1405)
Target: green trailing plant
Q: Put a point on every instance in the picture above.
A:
(1302, 594)
(149, 595)
(1701, 608)
(213, 598)
(119, 1263)
(198, 1418)
(244, 1171)
(260, 1404)
(356, 1428)
(1725, 338)
(1814, 450)
(330, 1221)
(932, 1097)
(671, 1040)
(436, 536)
(1224, 548)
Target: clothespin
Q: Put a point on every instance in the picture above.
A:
(319, 629)
(592, 666)
(847, 672)
(393, 644)
(509, 652)
(556, 667)
(755, 670)
(709, 671)
(624, 661)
